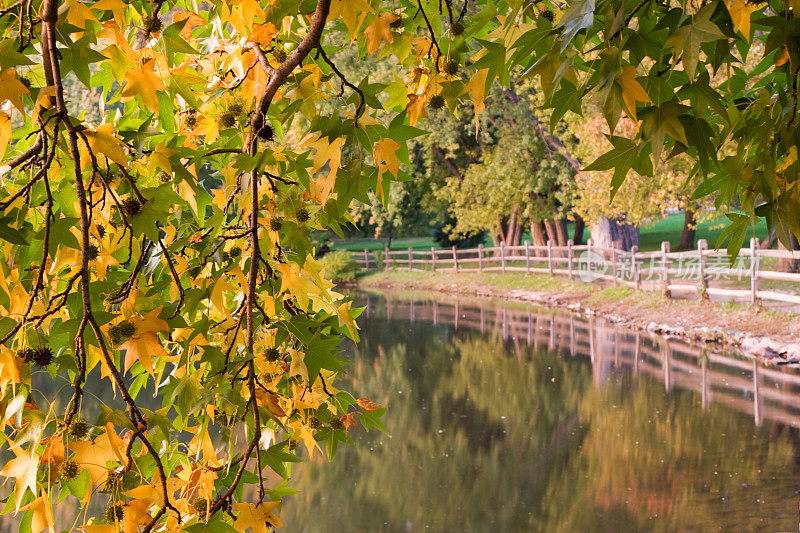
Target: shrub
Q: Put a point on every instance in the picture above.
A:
(339, 266)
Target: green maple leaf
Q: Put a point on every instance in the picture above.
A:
(625, 155)
(687, 39)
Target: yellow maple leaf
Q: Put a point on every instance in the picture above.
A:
(42, 514)
(379, 30)
(77, 13)
(12, 89)
(95, 454)
(5, 132)
(345, 318)
(10, 369)
(477, 89)
(23, 468)
(145, 344)
(143, 82)
(416, 108)
(102, 141)
(263, 34)
(258, 517)
(353, 13)
(384, 153)
(740, 15)
(117, 7)
(192, 19)
(632, 91)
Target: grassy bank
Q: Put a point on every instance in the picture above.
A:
(639, 308)
(650, 237)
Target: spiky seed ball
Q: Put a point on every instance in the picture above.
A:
(42, 356)
(92, 251)
(152, 24)
(437, 101)
(25, 81)
(201, 506)
(126, 329)
(26, 354)
(275, 224)
(336, 424)
(131, 206)
(235, 252)
(115, 512)
(314, 422)
(101, 230)
(236, 107)
(396, 23)
(272, 354)
(164, 177)
(279, 55)
(266, 132)
(457, 28)
(292, 445)
(190, 119)
(548, 15)
(225, 256)
(302, 215)
(451, 66)
(78, 429)
(69, 469)
(227, 119)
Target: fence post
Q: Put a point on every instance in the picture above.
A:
(480, 257)
(755, 285)
(570, 257)
(528, 256)
(637, 273)
(550, 256)
(410, 259)
(503, 256)
(433, 257)
(386, 261)
(665, 268)
(455, 259)
(366, 259)
(702, 246)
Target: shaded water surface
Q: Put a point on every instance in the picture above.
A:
(506, 418)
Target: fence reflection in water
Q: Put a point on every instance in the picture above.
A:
(727, 378)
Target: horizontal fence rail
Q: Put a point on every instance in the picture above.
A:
(741, 384)
(703, 271)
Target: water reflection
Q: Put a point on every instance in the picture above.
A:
(508, 418)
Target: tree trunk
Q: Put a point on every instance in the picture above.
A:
(514, 229)
(689, 230)
(497, 234)
(561, 231)
(613, 233)
(550, 227)
(580, 224)
(538, 235)
(789, 265)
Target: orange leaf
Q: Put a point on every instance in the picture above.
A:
(367, 404)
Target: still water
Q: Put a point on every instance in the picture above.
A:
(506, 418)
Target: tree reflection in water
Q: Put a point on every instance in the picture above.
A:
(545, 422)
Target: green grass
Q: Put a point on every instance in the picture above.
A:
(650, 237)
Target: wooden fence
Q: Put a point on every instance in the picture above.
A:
(704, 272)
(731, 380)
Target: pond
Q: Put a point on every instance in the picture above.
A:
(512, 418)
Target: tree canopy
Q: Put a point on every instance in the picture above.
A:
(162, 165)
